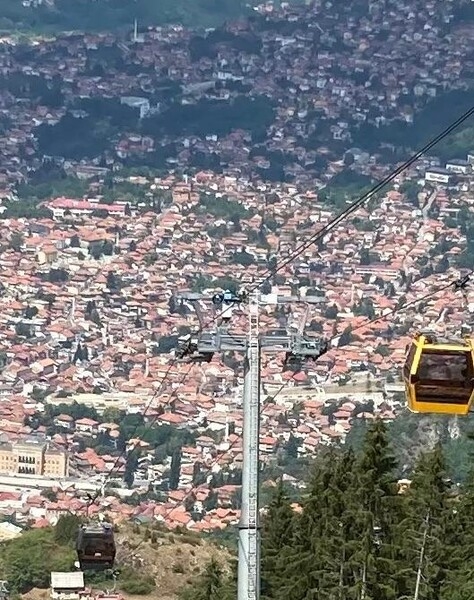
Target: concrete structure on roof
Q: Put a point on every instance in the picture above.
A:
(33, 457)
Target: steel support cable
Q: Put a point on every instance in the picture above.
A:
(377, 319)
(402, 308)
(305, 245)
(285, 384)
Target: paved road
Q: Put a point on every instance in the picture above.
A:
(22, 482)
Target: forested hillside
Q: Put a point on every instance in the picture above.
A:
(113, 15)
(358, 535)
(362, 536)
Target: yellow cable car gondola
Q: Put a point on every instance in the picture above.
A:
(439, 375)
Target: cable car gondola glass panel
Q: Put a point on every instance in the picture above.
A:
(439, 376)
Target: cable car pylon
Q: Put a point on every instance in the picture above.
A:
(201, 347)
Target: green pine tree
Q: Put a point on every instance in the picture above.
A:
(427, 530)
(297, 561)
(335, 580)
(66, 528)
(316, 563)
(131, 465)
(459, 583)
(377, 505)
(277, 533)
(175, 469)
(213, 584)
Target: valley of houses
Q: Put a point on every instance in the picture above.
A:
(79, 325)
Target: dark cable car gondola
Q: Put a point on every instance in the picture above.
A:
(95, 547)
(439, 375)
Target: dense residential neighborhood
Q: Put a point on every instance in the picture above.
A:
(100, 331)
(91, 399)
(291, 88)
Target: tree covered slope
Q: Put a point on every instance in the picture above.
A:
(361, 535)
(91, 15)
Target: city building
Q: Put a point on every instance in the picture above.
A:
(33, 456)
(437, 175)
(64, 206)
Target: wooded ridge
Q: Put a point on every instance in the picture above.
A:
(360, 535)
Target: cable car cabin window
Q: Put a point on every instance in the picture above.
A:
(442, 394)
(97, 545)
(444, 378)
(449, 369)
